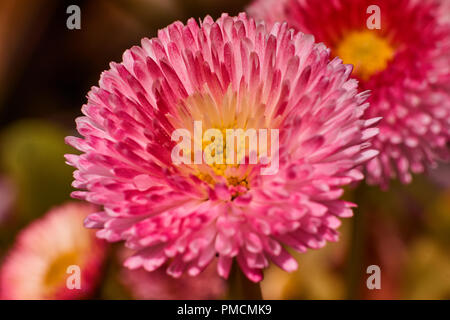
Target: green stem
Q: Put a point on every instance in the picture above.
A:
(240, 287)
(357, 245)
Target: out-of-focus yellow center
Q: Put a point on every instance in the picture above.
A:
(56, 272)
(367, 51)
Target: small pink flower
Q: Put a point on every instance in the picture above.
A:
(405, 65)
(232, 73)
(37, 266)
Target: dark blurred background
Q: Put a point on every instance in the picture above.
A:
(47, 69)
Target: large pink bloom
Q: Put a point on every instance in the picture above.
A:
(405, 64)
(230, 73)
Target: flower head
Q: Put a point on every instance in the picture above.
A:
(405, 64)
(232, 73)
(39, 264)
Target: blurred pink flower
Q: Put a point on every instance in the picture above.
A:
(441, 176)
(233, 73)
(444, 11)
(36, 267)
(269, 11)
(405, 64)
(8, 195)
(157, 285)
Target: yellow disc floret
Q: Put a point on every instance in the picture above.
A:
(56, 272)
(367, 51)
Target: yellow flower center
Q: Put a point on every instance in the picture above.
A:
(219, 151)
(367, 51)
(56, 272)
(230, 112)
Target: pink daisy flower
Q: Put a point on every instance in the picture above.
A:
(37, 267)
(232, 73)
(405, 64)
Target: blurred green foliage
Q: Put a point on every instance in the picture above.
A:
(31, 154)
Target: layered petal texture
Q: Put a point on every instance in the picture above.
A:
(230, 73)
